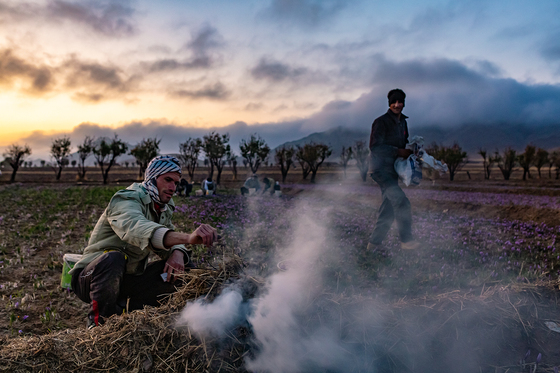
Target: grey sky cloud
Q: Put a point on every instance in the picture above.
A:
(38, 78)
(254, 106)
(171, 64)
(307, 13)
(276, 71)
(93, 82)
(112, 18)
(217, 91)
(444, 93)
(171, 134)
(205, 39)
(550, 49)
(203, 47)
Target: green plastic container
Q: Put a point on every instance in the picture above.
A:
(69, 261)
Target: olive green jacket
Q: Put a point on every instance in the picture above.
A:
(128, 225)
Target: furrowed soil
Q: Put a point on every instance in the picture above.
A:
(500, 317)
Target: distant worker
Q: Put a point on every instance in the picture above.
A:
(114, 274)
(208, 187)
(388, 139)
(277, 189)
(268, 185)
(251, 183)
(184, 188)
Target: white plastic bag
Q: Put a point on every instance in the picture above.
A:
(409, 170)
(431, 162)
(416, 144)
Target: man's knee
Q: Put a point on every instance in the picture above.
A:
(396, 195)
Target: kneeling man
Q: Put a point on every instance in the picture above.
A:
(114, 273)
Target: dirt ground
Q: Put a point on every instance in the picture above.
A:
(33, 276)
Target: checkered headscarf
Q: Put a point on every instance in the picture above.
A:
(158, 166)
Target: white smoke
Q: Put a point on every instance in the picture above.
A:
(213, 319)
(279, 316)
(276, 319)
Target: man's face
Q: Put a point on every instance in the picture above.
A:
(396, 107)
(166, 185)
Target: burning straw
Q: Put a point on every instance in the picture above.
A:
(139, 341)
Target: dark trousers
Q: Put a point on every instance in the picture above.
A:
(394, 205)
(104, 284)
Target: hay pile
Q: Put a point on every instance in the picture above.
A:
(140, 341)
(490, 331)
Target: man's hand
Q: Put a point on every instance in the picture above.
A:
(404, 153)
(204, 234)
(175, 264)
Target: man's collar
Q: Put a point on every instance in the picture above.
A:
(395, 116)
(145, 196)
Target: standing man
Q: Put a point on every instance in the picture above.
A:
(114, 274)
(387, 142)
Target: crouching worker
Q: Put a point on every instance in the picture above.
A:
(114, 274)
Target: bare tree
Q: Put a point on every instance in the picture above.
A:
(232, 159)
(254, 151)
(312, 156)
(190, 151)
(361, 154)
(106, 154)
(487, 163)
(555, 160)
(284, 158)
(453, 156)
(216, 148)
(541, 159)
(15, 155)
(506, 162)
(60, 150)
(84, 151)
(345, 156)
(527, 160)
(144, 152)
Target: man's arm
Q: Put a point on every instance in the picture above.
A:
(204, 234)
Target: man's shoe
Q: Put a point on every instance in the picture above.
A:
(410, 245)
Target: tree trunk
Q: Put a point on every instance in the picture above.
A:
(13, 178)
(313, 174)
(59, 173)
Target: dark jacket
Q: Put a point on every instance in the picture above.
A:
(387, 135)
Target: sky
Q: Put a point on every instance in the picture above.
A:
(283, 69)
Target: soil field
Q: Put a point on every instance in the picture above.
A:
(480, 295)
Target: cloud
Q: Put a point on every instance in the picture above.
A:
(111, 18)
(306, 13)
(444, 93)
(84, 81)
(254, 106)
(108, 17)
(37, 78)
(170, 133)
(276, 71)
(204, 40)
(202, 48)
(172, 64)
(93, 82)
(216, 91)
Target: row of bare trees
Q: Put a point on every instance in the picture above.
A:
(531, 157)
(215, 147)
(255, 152)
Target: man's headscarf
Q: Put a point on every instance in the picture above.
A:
(158, 166)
